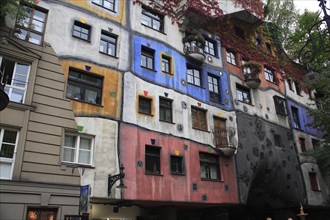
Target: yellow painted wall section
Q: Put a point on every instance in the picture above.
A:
(111, 91)
(88, 5)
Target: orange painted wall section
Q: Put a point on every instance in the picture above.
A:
(169, 187)
(111, 91)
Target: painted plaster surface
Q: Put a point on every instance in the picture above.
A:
(181, 105)
(178, 81)
(105, 155)
(303, 98)
(168, 187)
(268, 175)
(59, 34)
(111, 93)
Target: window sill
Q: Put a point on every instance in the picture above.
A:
(153, 174)
(245, 103)
(195, 85)
(178, 174)
(77, 165)
(104, 7)
(78, 100)
(199, 129)
(235, 65)
(168, 73)
(146, 114)
(21, 106)
(212, 180)
(169, 122)
(159, 31)
(89, 41)
(108, 55)
(153, 70)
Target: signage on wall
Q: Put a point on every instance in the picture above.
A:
(84, 199)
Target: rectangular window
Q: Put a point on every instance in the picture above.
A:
(209, 47)
(313, 181)
(16, 76)
(41, 213)
(214, 88)
(220, 132)
(278, 140)
(302, 144)
(316, 143)
(152, 19)
(78, 149)
(298, 89)
(81, 30)
(177, 166)
(108, 43)
(295, 117)
(258, 39)
(231, 57)
(108, 4)
(32, 27)
(152, 159)
(84, 87)
(269, 75)
(198, 118)
(165, 109)
(166, 64)
(246, 70)
(289, 80)
(145, 105)
(147, 58)
(8, 146)
(193, 76)
(209, 166)
(280, 105)
(243, 94)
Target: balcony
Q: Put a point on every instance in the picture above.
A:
(251, 74)
(224, 141)
(194, 47)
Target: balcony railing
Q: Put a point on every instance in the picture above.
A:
(194, 48)
(252, 80)
(224, 140)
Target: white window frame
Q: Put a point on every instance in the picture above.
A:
(5, 159)
(77, 149)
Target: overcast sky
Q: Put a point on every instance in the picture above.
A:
(311, 5)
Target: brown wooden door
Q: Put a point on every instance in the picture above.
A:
(220, 132)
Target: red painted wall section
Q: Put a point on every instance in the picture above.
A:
(169, 187)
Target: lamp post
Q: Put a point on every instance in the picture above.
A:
(326, 17)
(115, 178)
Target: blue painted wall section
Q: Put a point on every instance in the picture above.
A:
(174, 81)
(304, 119)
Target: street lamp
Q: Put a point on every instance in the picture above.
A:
(115, 178)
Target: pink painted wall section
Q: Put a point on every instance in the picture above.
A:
(168, 187)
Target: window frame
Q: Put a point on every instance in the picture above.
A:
(314, 183)
(302, 144)
(155, 157)
(29, 27)
(104, 36)
(280, 105)
(215, 96)
(246, 70)
(40, 209)
(140, 110)
(243, 90)
(199, 118)
(154, 17)
(297, 87)
(269, 75)
(149, 55)
(165, 108)
(8, 160)
(192, 76)
(82, 26)
(83, 84)
(278, 140)
(208, 162)
(231, 57)
(167, 63)
(180, 162)
(295, 118)
(210, 45)
(113, 8)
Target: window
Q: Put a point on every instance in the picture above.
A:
(269, 75)
(258, 39)
(277, 140)
(220, 132)
(147, 57)
(152, 19)
(298, 89)
(193, 76)
(152, 159)
(231, 58)
(243, 94)
(108, 4)
(77, 149)
(295, 116)
(290, 84)
(81, 30)
(108, 43)
(41, 213)
(313, 181)
(209, 47)
(165, 109)
(214, 88)
(177, 166)
(145, 105)
(84, 87)
(269, 48)
(8, 145)
(239, 32)
(32, 27)
(166, 64)
(316, 143)
(15, 75)
(209, 166)
(198, 118)
(246, 70)
(302, 144)
(280, 106)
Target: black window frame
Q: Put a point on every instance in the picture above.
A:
(149, 55)
(165, 107)
(231, 57)
(277, 140)
(107, 37)
(78, 27)
(243, 90)
(83, 79)
(210, 45)
(298, 88)
(205, 160)
(314, 183)
(199, 118)
(192, 76)
(143, 106)
(295, 117)
(214, 92)
(302, 143)
(152, 158)
(154, 17)
(280, 105)
(111, 2)
(167, 63)
(177, 165)
(270, 75)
